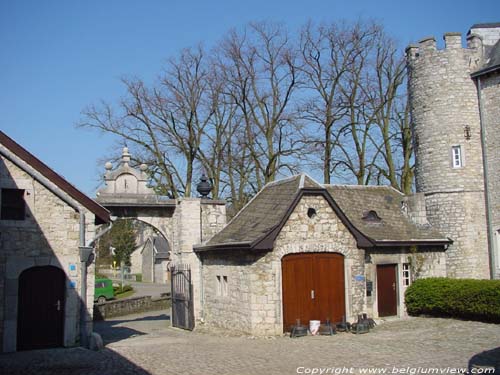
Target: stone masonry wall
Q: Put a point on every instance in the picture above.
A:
(48, 236)
(443, 100)
(254, 303)
(229, 310)
(213, 218)
(491, 112)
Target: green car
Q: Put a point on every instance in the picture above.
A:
(103, 290)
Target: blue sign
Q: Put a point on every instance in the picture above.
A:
(72, 284)
(359, 278)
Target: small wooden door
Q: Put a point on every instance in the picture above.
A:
(40, 318)
(313, 288)
(387, 290)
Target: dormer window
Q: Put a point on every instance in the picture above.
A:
(371, 216)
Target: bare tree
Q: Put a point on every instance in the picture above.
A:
(259, 104)
(387, 102)
(261, 75)
(328, 55)
(165, 123)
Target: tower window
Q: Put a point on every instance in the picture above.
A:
(456, 157)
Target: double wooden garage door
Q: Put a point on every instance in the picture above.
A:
(313, 288)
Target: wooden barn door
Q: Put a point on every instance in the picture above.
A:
(313, 288)
(386, 290)
(329, 287)
(40, 318)
(297, 281)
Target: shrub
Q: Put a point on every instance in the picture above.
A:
(120, 290)
(457, 298)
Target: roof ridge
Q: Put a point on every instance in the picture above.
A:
(280, 181)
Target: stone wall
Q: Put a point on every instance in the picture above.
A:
(491, 122)
(213, 218)
(254, 300)
(461, 217)
(229, 310)
(49, 235)
(129, 306)
(443, 101)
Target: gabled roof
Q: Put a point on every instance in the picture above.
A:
(102, 215)
(258, 224)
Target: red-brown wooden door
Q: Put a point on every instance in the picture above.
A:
(40, 318)
(329, 287)
(313, 288)
(386, 290)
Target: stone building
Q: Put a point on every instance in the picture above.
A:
(154, 259)
(45, 223)
(455, 109)
(304, 250)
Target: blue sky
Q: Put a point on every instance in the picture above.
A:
(56, 57)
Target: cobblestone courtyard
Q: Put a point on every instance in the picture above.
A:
(146, 345)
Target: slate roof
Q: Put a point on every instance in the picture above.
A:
(261, 219)
(357, 202)
(162, 247)
(492, 61)
(260, 215)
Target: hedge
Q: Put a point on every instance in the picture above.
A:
(457, 298)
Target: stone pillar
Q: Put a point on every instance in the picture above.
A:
(188, 225)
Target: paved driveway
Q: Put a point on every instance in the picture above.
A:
(146, 345)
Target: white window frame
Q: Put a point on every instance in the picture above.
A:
(457, 159)
(406, 275)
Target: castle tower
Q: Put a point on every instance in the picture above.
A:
(447, 140)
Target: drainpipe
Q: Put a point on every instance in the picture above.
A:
(86, 259)
(486, 190)
(85, 253)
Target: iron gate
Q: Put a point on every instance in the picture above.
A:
(182, 297)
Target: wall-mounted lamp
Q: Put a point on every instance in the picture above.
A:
(467, 134)
(368, 258)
